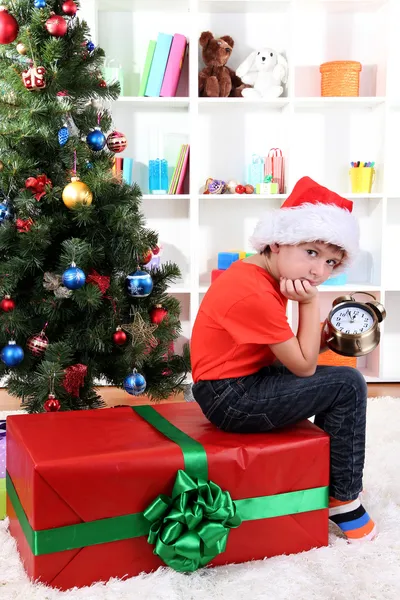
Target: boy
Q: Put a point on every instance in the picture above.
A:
(252, 374)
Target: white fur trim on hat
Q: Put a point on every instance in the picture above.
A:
(310, 223)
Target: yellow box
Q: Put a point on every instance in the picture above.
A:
(362, 179)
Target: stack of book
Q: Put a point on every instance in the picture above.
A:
(163, 65)
(180, 172)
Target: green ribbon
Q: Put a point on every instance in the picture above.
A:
(187, 529)
(2, 498)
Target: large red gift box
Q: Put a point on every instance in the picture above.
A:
(70, 474)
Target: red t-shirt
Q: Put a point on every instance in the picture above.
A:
(242, 312)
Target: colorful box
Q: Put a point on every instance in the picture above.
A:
(225, 259)
(100, 503)
(2, 469)
(267, 188)
(340, 279)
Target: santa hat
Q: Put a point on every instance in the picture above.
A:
(311, 213)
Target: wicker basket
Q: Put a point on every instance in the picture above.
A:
(340, 78)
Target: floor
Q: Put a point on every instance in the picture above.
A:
(113, 396)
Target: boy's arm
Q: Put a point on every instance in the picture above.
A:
(300, 353)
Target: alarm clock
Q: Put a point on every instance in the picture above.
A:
(352, 326)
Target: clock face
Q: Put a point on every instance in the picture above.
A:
(351, 318)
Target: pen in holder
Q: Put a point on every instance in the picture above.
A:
(158, 176)
(362, 176)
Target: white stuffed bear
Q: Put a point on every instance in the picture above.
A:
(266, 71)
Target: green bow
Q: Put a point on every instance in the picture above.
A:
(192, 527)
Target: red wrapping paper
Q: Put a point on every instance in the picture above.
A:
(79, 466)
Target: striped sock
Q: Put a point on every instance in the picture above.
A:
(352, 519)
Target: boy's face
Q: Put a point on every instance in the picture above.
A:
(313, 261)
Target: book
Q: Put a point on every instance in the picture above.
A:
(184, 171)
(177, 170)
(158, 65)
(147, 66)
(174, 66)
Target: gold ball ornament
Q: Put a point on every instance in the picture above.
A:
(76, 193)
(21, 49)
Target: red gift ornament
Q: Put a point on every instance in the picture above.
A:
(33, 78)
(23, 225)
(74, 379)
(37, 185)
(102, 281)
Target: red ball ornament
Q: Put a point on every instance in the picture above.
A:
(69, 8)
(116, 142)
(57, 26)
(146, 258)
(7, 304)
(155, 250)
(51, 404)
(119, 337)
(240, 189)
(8, 27)
(37, 344)
(102, 83)
(158, 314)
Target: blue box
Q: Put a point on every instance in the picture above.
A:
(340, 279)
(225, 259)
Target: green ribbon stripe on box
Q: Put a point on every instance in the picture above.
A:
(187, 529)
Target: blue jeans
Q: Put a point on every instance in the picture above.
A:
(274, 397)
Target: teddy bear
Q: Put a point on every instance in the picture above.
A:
(266, 70)
(216, 79)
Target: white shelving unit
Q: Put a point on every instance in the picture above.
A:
(319, 136)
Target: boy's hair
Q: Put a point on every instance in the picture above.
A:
(332, 247)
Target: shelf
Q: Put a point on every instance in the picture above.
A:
(339, 102)
(342, 5)
(349, 287)
(176, 289)
(147, 197)
(267, 103)
(144, 101)
(329, 288)
(143, 5)
(243, 197)
(244, 6)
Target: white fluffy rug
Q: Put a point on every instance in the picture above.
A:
(367, 571)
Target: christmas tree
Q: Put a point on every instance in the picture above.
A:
(80, 302)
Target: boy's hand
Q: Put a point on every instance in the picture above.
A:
(297, 290)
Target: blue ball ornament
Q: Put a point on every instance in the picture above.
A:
(139, 284)
(73, 278)
(135, 384)
(39, 4)
(90, 46)
(5, 212)
(96, 140)
(63, 135)
(89, 165)
(12, 355)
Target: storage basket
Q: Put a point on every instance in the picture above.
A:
(340, 78)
